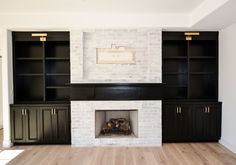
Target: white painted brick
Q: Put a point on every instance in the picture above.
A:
(83, 123)
(146, 41)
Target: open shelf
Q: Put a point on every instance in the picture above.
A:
(175, 92)
(173, 73)
(57, 58)
(57, 49)
(32, 49)
(203, 57)
(174, 48)
(175, 66)
(29, 58)
(57, 67)
(190, 68)
(57, 80)
(57, 94)
(200, 73)
(203, 87)
(58, 74)
(26, 66)
(175, 58)
(41, 69)
(199, 65)
(29, 74)
(202, 48)
(57, 87)
(29, 88)
(178, 79)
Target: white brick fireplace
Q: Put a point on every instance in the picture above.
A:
(83, 123)
(145, 69)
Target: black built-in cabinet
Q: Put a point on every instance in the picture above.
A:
(41, 67)
(40, 123)
(191, 121)
(191, 111)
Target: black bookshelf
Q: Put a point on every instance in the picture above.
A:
(190, 68)
(41, 69)
(41, 109)
(191, 111)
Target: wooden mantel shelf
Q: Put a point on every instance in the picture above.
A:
(117, 91)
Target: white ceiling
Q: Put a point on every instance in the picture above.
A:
(224, 16)
(167, 14)
(99, 6)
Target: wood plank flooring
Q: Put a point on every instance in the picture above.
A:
(168, 154)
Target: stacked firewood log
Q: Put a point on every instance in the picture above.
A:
(117, 126)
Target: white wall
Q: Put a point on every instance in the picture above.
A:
(1, 124)
(227, 89)
(7, 84)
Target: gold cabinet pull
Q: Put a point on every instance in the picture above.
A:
(177, 109)
(22, 111)
(180, 110)
(25, 111)
(52, 111)
(208, 109)
(205, 110)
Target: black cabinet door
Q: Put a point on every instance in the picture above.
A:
(25, 126)
(207, 122)
(176, 123)
(55, 124)
(46, 114)
(32, 125)
(17, 124)
(61, 130)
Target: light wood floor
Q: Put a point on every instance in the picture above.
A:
(168, 154)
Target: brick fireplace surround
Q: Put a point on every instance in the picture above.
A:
(86, 70)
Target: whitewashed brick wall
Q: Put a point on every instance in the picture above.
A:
(146, 41)
(83, 123)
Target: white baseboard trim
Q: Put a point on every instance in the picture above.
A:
(228, 145)
(7, 144)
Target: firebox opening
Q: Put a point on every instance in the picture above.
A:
(116, 123)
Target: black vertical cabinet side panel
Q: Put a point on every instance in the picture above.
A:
(44, 74)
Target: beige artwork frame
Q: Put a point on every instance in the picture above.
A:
(117, 55)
